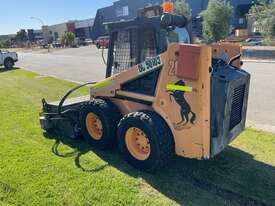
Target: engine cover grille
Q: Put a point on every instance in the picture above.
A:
(237, 106)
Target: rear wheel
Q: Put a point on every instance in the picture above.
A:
(145, 140)
(8, 63)
(99, 119)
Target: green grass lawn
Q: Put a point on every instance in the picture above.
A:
(38, 169)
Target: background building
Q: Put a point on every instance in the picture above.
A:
(81, 28)
(128, 9)
(54, 32)
(35, 35)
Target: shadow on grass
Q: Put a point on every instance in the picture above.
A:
(3, 69)
(233, 178)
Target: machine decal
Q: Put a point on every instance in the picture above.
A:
(102, 84)
(186, 111)
(150, 65)
(172, 65)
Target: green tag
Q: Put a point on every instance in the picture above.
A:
(172, 87)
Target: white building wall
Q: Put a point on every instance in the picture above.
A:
(54, 32)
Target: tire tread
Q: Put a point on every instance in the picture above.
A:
(111, 113)
(163, 134)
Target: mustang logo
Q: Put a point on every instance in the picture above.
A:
(184, 105)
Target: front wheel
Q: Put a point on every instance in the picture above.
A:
(145, 140)
(8, 63)
(98, 120)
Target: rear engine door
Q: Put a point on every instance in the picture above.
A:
(230, 88)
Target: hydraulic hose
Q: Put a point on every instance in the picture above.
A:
(59, 110)
(235, 58)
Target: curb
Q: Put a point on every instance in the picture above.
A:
(265, 128)
(259, 61)
(263, 54)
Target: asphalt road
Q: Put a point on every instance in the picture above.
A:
(261, 110)
(81, 64)
(85, 64)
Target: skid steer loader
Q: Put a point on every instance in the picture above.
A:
(159, 98)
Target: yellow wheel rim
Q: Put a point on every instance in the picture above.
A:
(137, 143)
(94, 126)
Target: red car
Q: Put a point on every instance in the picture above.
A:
(102, 42)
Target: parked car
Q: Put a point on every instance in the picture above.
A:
(8, 59)
(254, 42)
(102, 42)
(78, 41)
(89, 41)
(42, 44)
(56, 44)
(81, 41)
(257, 34)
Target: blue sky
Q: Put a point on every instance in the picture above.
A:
(16, 14)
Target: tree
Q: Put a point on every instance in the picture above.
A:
(67, 39)
(181, 7)
(216, 20)
(5, 44)
(263, 13)
(21, 36)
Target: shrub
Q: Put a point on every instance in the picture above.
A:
(217, 20)
(67, 39)
(263, 14)
(181, 7)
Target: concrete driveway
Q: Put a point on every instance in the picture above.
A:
(261, 110)
(85, 64)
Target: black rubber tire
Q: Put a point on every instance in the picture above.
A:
(159, 134)
(8, 63)
(109, 116)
